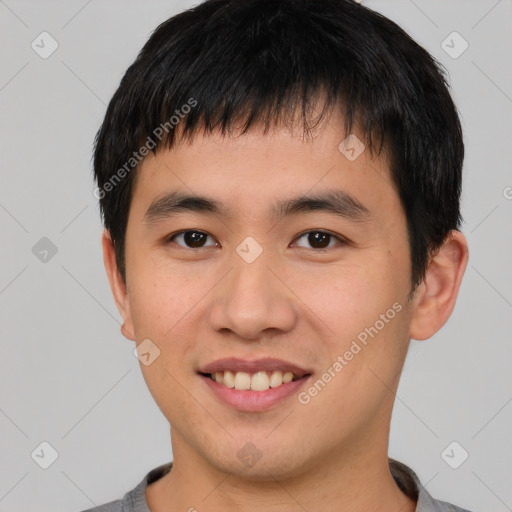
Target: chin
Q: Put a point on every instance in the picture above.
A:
(258, 465)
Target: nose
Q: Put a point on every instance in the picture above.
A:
(253, 301)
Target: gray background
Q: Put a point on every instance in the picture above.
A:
(68, 376)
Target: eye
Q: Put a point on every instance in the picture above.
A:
(191, 239)
(320, 240)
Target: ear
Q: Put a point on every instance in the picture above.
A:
(117, 285)
(435, 297)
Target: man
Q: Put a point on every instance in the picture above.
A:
(279, 182)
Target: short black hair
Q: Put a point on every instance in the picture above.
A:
(234, 64)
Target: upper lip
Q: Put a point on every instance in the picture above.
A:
(243, 365)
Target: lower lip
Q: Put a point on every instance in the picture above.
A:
(254, 401)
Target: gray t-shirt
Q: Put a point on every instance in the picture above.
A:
(405, 478)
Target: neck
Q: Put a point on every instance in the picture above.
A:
(345, 482)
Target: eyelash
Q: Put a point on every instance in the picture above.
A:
(340, 239)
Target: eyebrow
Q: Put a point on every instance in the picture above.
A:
(336, 202)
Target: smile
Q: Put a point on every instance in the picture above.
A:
(253, 385)
(258, 381)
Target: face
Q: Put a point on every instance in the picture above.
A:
(267, 273)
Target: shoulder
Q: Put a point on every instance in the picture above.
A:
(113, 506)
(410, 484)
(135, 499)
(442, 506)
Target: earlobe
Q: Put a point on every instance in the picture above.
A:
(117, 285)
(435, 297)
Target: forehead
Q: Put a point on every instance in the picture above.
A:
(248, 171)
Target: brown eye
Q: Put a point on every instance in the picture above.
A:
(319, 239)
(191, 239)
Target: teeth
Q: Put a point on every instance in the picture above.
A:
(228, 380)
(259, 381)
(242, 381)
(287, 377)
(276, 379)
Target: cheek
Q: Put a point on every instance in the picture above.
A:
(362, 315)
(351, 296)
(161, 299)
(361, 368)
(163, 305)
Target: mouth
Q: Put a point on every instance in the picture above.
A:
(258, 381)
(253, 385)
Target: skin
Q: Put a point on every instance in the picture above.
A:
(293, 302)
